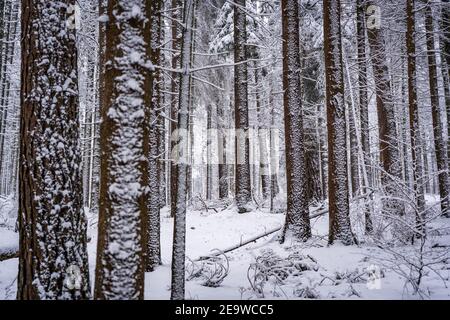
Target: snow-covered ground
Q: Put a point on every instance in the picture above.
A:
(312, 269)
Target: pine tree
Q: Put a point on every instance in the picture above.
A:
(88, 62)
(179, 234)
(123, 210)
(7, 58)
(414, 110)
(297, 217)
(52, 224)
(445, 63)
(439, 143)
(363, 104)
(177, 6)
(222, 154)
(262, 137)
(154, 196)
(242, 178)
(389, 151)
(338, 192)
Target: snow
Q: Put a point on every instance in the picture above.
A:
(8, 241)
(207, 231)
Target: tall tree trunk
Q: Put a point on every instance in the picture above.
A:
(439, 142)
(445, 65)
(389, 152)
(209, 141)
(338, 192)
(274, 153)
(52, 224)
(354, 166)
(362, 81)
(124, 181)
(154, 196)
(414, 126)
(5, 93)
(242, 178)
(297, 217)
(262, 141)
(179, 234)
(222, 153)
(364, 105)
(162, 123)
(176, 47)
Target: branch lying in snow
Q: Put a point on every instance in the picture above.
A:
(212, 270)
(8, 253)
(313, 214)
(241, 243)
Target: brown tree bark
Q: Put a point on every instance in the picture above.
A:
(125, 113)
(439, 143)
(338, 193)
(179, 233)
(243, 192)
(364, 104)
(52, 224)
(389, 153)
(418, 181)
(297, 216)
(154, 198)
(222, 154)
(177, 6)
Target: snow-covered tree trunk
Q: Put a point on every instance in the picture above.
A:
(163, 105)
(363, 104)
(101, 58)
(176, 17)
(354, 165)
(179, 235)
(389, 150)
(338, 193)
(439, 142)
(123, 210)
(9, 42)
(88, 68)
(262, 139)
(154, 196)
(418, 182)
(52, 257)
(242, 179)
(297, 216)
(445, 64)
(274, 152)
(209, 142)
(222, 153)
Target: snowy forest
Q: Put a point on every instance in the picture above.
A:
(224, 149)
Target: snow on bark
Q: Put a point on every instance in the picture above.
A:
(389, 150)
(242, 178)
(297, 217)
(154, 195)
(124, 157)
(52, 222)
(414, 112)
(364, 106)
(179, 235)
(338, 193)
(444, 40)
(177, 6)
(439, 142)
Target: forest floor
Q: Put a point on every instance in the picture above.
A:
(267, 269)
